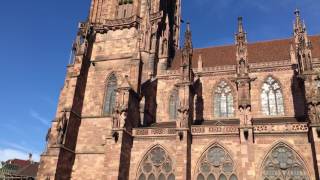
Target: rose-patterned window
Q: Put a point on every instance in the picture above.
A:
(271, 98)
(110, 95)
(173, 105)
(156, 165)
(216, 164)
(223, 101)
(283, 164)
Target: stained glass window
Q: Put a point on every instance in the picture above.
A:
(223, 101)
(283, 164)
(216, 164)
(110, 96)
(271, 98)
(156, 165)
(173, 105)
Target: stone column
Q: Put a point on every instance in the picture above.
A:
(183, 154)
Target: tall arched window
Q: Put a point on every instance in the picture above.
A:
(283, 164)
(216, 164)
(271, 98)
(223, 101)
(110, 95)
(173, 105)
(156, 165)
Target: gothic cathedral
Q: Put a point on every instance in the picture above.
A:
(138, 105)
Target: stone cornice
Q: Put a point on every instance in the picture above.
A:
(108, 24)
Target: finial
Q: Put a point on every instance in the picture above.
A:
(188, 26)
(291, 48)
(187, 37)
(240, 25)
(297, 12)
(200, 62)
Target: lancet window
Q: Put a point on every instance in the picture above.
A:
(272, 98)
(223, 101)
(110, 95)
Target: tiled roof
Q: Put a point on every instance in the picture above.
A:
(267, 51)
(18, 162)
(20, 168)
(29, 171)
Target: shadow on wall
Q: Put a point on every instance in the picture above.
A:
(149, 92)
(299, 100)
(198, 103)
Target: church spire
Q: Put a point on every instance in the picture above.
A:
(187, 52)
(242, 50)
(188, 39)
(303, 44)
(240, 25)
(298, 25)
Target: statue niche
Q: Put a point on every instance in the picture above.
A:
(62, 126)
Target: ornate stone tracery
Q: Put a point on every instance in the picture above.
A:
(216, 164)
(282, 163)
(272, 97)
(156, 165)
(223, 101)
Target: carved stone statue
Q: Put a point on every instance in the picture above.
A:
(142, 110)
(242, 115)
(115, 121)
(242, 68)
(314, 112)
(245, 116)
(48, 135)
(62, 128)
(123, 117)
(248, 118)
(183, 118)
(317, 119)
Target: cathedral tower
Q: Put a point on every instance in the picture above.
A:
(116, 54)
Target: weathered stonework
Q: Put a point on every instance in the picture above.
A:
(165, 101)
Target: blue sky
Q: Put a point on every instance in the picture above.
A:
(37, 37)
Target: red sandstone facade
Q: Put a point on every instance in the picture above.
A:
(135, 106)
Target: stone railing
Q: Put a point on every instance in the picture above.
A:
(270, 64)
(144, 132)
(281, 128)
(216, 69)
(198, 130)
(224, 130)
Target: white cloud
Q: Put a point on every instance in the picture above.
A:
(6, 154)
(38, 117)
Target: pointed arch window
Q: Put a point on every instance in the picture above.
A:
(156, 165)
(283, 164)
(216, 164)
(223, 101)
(173, 105)
(110, 95)
(272, 98)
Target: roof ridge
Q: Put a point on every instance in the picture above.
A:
(254, 42)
